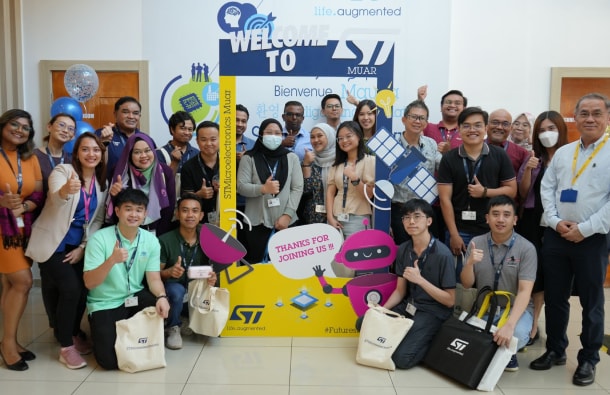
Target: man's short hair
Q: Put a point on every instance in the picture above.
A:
(417, 104)
(454, 92)
(331, 96)
(126, 99)
(189, 196)
(207, 124)
(293, 103)
(593, 96)
(469, 111)
(501, 200)
(179, 118)
(415, 205)
(131, 195)
(241, 107)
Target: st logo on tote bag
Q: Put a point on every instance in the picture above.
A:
(208, 308)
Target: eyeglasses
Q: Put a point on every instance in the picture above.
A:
(16, 126)
(413, 217)
(518, 124)
(143, 152)
(475, 126)
(419, 118)
(63, 126)
(495, 123)
(453, 102)
(333, 106)
(596, 115)
(348, 136)
(293, 114)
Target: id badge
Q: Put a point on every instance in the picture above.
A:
(320, 208)
(568, 196)
(411, 309)
(20, 222)
(343, 217)
(131, 301)
(469, 215)
(273, 202)
(86, 230)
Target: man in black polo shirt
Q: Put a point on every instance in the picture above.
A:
(467, 177)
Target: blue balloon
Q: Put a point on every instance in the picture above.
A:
(67, 105)
(81, 127)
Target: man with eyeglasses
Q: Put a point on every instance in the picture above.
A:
(574, 192)
(296, 139)
(445, 133)
(332, 109)
(467, 177)
(415, 120)
(127, 112)
(498, 131)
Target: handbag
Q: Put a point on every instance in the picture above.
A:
(381, 332)
(140, 341)
(463, 351)
(208, 308)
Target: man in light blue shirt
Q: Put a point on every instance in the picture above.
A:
(575, 192)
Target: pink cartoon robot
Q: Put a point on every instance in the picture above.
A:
(369, 252)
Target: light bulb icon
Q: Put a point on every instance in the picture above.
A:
(385, 98)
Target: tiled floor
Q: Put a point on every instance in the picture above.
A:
(295, 366)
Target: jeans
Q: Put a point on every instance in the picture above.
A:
(522, 328)
(466, 237)
(175, 294)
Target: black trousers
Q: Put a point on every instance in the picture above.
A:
(103, 329)
(583, 265)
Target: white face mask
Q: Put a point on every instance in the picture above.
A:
(272, 141)
(549, 138)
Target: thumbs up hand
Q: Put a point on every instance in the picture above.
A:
(413, 274)
(476, 190)
(476, 255)
(177, 270)
(10, 200)
(532, 162)
(72, 185)
(116, 187)
(119, 254)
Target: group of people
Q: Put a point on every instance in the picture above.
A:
(118, 189)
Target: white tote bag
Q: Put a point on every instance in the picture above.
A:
(208, 308)
(140, 342)
(381, 333)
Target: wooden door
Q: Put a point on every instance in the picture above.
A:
(99, 110)
(572, 89)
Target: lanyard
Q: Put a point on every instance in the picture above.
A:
(446, 134)
(133, 255)
(501, 264)
(19, 174)
(477, 166)
(183, 253)
(345, 186)
(206, 175)
(61, 161)
(584, 165)
(421, 260)
(87, 198)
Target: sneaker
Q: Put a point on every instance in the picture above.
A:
(83, 346)
(185, 330)
(71, 358)
(174, 340)
(513, 364)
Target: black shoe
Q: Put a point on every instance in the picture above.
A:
(27, 355)
(534, 339)
(18, 366)
(584, 375)
(547, 360)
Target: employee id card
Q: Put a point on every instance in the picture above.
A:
(468, 215)
(343, 217)
(320, 208)
(568, 195)
(131, 301)
(273, 202)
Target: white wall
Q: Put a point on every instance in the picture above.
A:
(499, 53)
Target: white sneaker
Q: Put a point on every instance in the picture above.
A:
(174, 340)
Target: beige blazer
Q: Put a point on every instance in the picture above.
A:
(52, 225)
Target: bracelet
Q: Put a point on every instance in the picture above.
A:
(484, 192)
(162, 296)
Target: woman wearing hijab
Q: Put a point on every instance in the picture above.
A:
(139, 168)
(315, 171)
(270, 179)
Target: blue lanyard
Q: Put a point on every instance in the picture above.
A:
(61, 161)
(19, 175)
(133, 255)
(501, 264)
(421, 260)
(477, 166)
(183, 253)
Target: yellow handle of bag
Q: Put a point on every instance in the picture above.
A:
(487, 301)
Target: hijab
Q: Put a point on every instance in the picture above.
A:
(265, 159)
(326, 157)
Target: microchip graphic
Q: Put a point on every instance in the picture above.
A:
(303, 301)
(190, 102)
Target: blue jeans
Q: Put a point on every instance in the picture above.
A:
(175, 294)
(523, 327)
(459, 264)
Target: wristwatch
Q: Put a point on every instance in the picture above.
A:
(356, 182)
(26, 207)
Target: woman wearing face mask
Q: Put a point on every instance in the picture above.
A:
(270, 179)
(139, 168)
(549, 133)
(315, 171)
